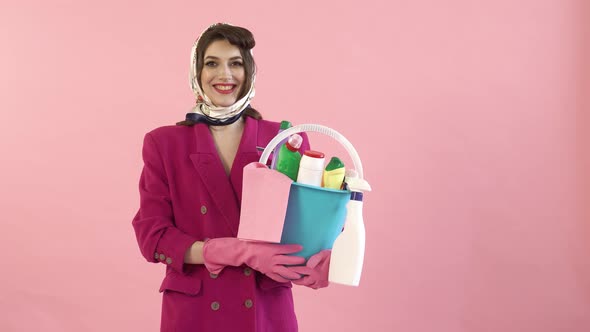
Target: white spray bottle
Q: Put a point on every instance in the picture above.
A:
(348, 251)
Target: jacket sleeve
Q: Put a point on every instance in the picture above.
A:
(158, 238)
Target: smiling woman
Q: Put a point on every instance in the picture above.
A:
(190, 194)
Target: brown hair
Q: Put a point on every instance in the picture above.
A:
(237, 36)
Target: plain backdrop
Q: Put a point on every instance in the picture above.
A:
(470, 117)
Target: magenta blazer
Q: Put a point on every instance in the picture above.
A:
(185, 196)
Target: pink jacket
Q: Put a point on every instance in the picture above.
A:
(185, 196)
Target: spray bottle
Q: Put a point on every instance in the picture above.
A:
(348, 251)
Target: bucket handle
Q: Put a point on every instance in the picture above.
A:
(318, 129)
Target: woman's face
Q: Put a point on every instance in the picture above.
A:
(223, 73)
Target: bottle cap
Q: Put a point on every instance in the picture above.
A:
(312, 160)
(314, 154)
(285, 125)
(334, 163)
(294, 142)
(356, 196)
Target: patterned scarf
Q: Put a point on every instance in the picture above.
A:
(204, 110)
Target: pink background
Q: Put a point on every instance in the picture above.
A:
(471, 118)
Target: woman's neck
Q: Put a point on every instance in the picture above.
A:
(237, 126)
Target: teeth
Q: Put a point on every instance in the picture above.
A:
(224, 87)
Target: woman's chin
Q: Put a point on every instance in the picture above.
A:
(223, 103)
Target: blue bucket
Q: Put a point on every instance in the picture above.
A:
(315, 217)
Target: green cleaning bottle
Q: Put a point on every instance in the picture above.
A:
(289, 157)
(275, 153)
(334, 174)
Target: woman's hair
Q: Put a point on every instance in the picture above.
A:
(239, 37)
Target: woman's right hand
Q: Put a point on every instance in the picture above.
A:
(268, 258)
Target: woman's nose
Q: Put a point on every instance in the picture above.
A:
(224, 71)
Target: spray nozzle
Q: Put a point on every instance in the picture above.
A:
(354, 183)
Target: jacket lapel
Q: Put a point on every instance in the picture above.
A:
(208, 165)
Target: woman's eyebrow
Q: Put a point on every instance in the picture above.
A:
(216, 58)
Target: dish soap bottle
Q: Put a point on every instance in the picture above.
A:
(334, 174)
(289, 157)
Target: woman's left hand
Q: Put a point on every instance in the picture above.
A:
(315, 271)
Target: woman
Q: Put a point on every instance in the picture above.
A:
(190, 194)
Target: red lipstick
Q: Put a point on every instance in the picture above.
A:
(225, 92)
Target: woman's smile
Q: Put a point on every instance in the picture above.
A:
(225, 88)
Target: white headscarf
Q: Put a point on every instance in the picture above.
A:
(218, 115)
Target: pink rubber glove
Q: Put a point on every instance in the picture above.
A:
(268, 258)
(316, 270)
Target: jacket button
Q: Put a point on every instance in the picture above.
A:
(247, 271)
(248, 303)
(156, 256)
(162, 257)
(168, 260)
(213, 275)
(203, 209)
(215, 305)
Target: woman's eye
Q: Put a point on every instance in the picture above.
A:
(210, 64)
(237, 63)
